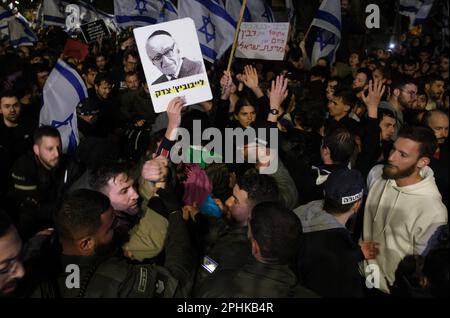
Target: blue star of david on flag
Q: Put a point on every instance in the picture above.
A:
(267, 13)
(204, 29)
(325, 38)
(72, 146)
(141, 6)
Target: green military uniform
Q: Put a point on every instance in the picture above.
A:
(254, 280)
(117, 277)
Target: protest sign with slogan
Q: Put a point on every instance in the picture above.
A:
(94, 30)
(173, 64)
(265, 41)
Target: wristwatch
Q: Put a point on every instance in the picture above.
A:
(274, 111)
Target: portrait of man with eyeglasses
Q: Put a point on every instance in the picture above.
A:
(165, 54)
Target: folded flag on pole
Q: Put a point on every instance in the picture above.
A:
(143, 12)
(291, 11)
(328, 20)
(20, 32)
(63, 91)
(215, 27)
(54, 12)
(78, 13)
(416, 10)
(255, 10)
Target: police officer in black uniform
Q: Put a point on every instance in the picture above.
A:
(40, 179)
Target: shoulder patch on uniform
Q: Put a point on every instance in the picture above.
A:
(209, 264)
(143, 277)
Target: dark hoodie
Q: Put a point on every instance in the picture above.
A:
(328, 258)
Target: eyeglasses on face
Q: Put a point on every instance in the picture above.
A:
(167, 53)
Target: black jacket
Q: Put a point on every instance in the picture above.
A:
(38, 191)
(372, 148)
(254, 280)
(113, 276)
(188, 68)
(230, 251)
(328, 257)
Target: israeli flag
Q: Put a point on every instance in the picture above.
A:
(169, 11)
(4, 32)
(255, 10)
(137, 12)
(20, 32)
(416, 10)
(291, 11)
(215, 27)
(5, 15)
(328, 20)
(63, 91)
(54, 12)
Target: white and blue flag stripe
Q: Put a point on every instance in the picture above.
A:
(20, 32)
(138, 12)
(215, 27)
(255, 10)
(328, 20)
(63, 91)
(416, 10)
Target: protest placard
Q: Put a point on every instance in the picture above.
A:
(94, 30)
(173, 64)
(265, 41)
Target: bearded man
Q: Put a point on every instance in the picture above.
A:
(403, 95)
(404, 210)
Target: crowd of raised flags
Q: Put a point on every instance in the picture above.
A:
(215, 24)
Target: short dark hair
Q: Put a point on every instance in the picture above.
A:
(241, 102)
(5, 223)
(310, 115)
(277, 230)
(347, 94)
(367, 72)
(9, 93)
(102, 77)
(384, 112)
(422, 135)
(45, 131)
(109, 170)
(130, 52)
(87, 67)
(334, 207)
(259, 187)
(320, 71)
(131, 73)
(341, 144)
(80, 214)
(400, 82)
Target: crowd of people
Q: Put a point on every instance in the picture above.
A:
(357, 206)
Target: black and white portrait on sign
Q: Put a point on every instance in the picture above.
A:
(173, 63)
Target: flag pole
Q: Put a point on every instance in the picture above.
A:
(236, 34)
(307, 32)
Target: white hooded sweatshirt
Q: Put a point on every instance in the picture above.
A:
(401, 219)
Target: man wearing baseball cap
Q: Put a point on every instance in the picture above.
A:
(328, 258)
